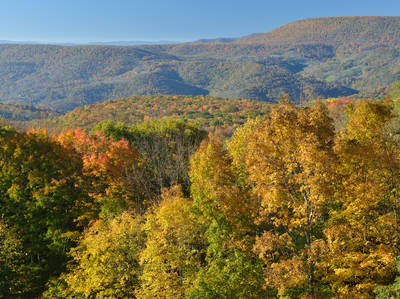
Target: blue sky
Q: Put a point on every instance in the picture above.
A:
(172, 20)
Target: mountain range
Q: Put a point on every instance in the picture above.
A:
(320, 57)
(110, 43)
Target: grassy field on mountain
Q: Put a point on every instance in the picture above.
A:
(322, 57)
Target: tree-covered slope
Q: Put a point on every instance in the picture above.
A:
(66, 77)
(361, 53)
(335, 31)
(315, 37)
(20, 112)
(209, 112)
(321, 57)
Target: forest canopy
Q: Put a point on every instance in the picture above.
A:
(292, 205)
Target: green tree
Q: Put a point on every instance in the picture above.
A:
(14, 276)
(41, 192)
(391, 291)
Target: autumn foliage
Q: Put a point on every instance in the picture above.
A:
(291, 206)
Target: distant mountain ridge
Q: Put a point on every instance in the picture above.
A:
(335, 31)
(320, 57)
(99, 43)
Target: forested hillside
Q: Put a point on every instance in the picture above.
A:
(20, 112)
(207, 112)
(325, 57)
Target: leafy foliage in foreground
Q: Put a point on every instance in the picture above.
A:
(173, 249)
(288, 207)
(11, 263)
(107, 259)
(41, 195)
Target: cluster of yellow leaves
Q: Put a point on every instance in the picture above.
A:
(363, 236)
(226, 211)
(289, 161)
(217, 191)
(171, 258)
(106, 261)
(328, 201)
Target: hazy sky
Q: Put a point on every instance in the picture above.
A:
(173, 20)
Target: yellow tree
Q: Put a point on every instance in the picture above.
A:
(225, 210)
(106, 260)
(363, 235)
(289, 162)
(171, 258)
(237, 145)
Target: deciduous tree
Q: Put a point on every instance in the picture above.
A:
(172, 256)
(289, 161)
(106, 260)
(225, 210)
(363, 235)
